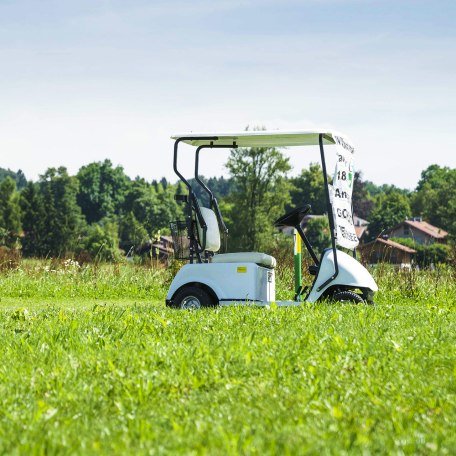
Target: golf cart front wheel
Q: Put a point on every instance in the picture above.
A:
(192, 298)
(347, 296)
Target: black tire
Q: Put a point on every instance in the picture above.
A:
(347, 296)
(192, 298)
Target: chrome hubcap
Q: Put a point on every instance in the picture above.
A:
(191, 303)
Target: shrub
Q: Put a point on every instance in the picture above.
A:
(101, 241)
(9, 258)
(427, 254)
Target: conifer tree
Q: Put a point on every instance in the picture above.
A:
(52, 220)
(33, 221)
(10, 217)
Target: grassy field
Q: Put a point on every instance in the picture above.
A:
(93, 362)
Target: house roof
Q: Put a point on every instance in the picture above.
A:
(360, 230)
(427, 228)
(358, 221)
(389, 243)
(162, 249)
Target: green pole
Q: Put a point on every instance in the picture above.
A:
(297, 265)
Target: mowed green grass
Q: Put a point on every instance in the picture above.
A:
(93, 362)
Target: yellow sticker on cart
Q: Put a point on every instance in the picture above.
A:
(242, 269)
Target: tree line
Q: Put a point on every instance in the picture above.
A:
(261, 191)
(102, 213)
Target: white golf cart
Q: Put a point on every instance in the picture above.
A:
(212, 278)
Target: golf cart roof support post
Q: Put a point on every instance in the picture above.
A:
(197, 178)
(213, 201)
(191, 201)
(330, 214)
(209, 146)
(354, 248)
(176, 146)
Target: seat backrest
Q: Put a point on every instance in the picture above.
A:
(212, 233)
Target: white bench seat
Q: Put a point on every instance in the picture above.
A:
(261, 259)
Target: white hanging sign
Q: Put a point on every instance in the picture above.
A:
(341, 194)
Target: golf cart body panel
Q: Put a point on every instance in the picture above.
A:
(351, 274)
(228, 281)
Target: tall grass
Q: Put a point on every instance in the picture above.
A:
(435, 287)
(65, 279)
(117, 372)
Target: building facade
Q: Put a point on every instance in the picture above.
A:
(420, 231)
(386, 251)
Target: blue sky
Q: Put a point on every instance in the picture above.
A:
(87, 80)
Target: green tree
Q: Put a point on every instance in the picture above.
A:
(309, 188)
(427, 254)
(33, 221)
(390, 209)
(101, 241)
(260, 194)
(18, 177)
(318, 233)
(168, 210)
(132, 232)
(152, 205)
(435, 197)
(362, 201)
(10, 216)
(101, 190)
(220, 187)
(375, 190)
(52, 220)
(433, 175)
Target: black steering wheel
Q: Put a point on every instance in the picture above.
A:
(294, 217)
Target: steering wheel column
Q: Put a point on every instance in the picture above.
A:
(294, 220)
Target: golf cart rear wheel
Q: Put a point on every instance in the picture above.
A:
(192, 298)
(347, 296)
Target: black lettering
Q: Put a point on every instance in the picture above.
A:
(341, 194)
(342, 143)
(342, 175)
(347, 235)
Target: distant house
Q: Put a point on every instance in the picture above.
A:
(420, 231)
(160, 249)
(163, 248)
(360, 227)
(166, 242)
(386, 251)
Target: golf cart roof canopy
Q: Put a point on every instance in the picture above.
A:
(262, 138)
